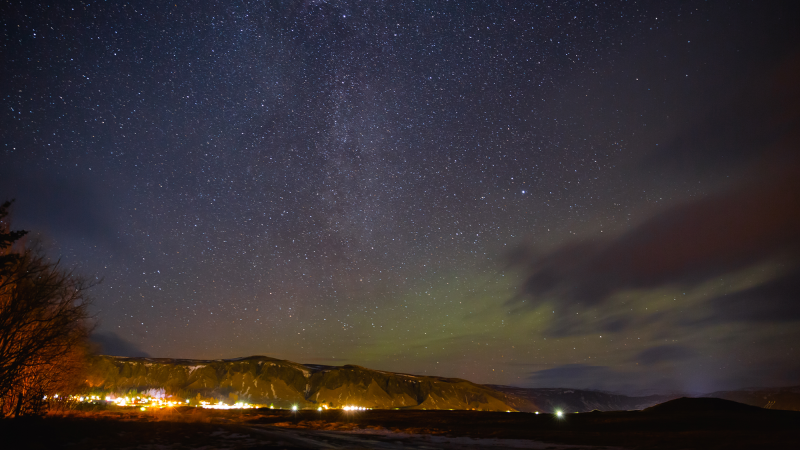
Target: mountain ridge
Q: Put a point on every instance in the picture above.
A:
(282, 383)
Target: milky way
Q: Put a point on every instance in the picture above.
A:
(425, 187)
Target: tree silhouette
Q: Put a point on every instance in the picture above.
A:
(44, 325)
(7, 239)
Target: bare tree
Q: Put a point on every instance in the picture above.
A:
(7, 239)
(44, 325)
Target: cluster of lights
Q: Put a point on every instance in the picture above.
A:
(77, 398)
(220, 405)
(144, 402)
(355, 408)
(149, 402)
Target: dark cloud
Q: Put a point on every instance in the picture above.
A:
(110, 343)
(753, 222)
(664, 354)
(569, 321)
(569, 375)
(649, 378)
(777, 300)
(581, 376)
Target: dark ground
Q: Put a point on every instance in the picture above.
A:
(681, 424)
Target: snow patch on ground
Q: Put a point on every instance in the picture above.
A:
(193, 368)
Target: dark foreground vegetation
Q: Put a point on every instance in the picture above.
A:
(44, 326)
(679, 424)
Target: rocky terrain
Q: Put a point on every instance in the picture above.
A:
(283, 384)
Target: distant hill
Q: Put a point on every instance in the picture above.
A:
(703, 405)
(270, 381)
(549, 400)
(787, 398)
(283, 384)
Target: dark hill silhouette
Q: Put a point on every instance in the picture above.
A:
(686, 405)
(787, 398)
(550, 400)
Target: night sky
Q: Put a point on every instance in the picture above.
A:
(551, 194)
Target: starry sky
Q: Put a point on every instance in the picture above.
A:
(542, 194)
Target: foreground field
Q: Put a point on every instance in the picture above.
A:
(693, 423)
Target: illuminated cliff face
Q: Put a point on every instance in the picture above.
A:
(283, 384)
